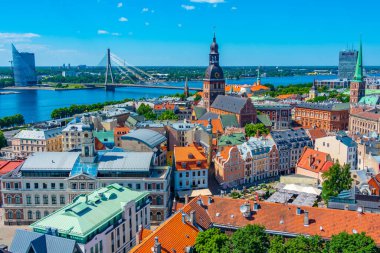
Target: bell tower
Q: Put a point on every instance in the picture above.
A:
(214, 82)
(357, 86)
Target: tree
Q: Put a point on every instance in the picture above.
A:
(253, 129)
(167, 115)
(277, 245)
(212, 241)
(197, 97)
(346, 243)
(3, 141)
(336, 179)
(302, 244)
(250, 239)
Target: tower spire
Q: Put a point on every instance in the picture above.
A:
(359, 64)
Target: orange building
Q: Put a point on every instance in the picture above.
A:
(117, 133)
(229, 167)
(190, 168)
(313, 163)
(327, 116)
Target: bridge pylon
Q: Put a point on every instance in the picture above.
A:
(109, 86)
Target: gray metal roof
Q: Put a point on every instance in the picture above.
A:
(325, 106)
(51, 161)
(41, 243)
(125, 161)
(209, 115)
(36, 134)
(229, 103)
(147, 136)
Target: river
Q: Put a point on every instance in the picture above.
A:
(37, 105)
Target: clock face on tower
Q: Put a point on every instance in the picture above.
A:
(217, 75)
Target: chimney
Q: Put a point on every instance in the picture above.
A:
(186, 198)
(310, 159)
(139, 235)
(192, 218)
(184, 218)
(157, 245)
(306, 219)
(256, 206)
(298, 211)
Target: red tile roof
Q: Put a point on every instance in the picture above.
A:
(315, 161)
(173, 234)
(316, 133)
(367, 115)
(279, 218)
(374, 184)
(189, 156)
(217, 126)
(8, 166)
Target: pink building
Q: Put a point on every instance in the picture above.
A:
(229, 167)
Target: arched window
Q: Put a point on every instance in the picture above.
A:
(38, 215)
(18, 215)
(45, 199)
(46, 213)
(151, 215)
(37, 199)
(10, 215)
(159, 216)
(159, 200)
(30, 215)
(9, 199)
(18, 200)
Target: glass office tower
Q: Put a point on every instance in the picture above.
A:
(24, 68)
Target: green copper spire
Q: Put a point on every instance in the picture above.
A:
(359, 65)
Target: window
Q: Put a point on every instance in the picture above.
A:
(46, 213)
(18, 200)
(35, 185)
(28, 200)
(18, 215)
(62, 200)
(45, 199)
(158, 186)
(101, 246)
(91, 186)
(30, 215)
(37, 199)
(138, 187)
(82, 186)
(73, 186)
(159, 200)
(38, 215)
(54, 199)
(61, 186)
(10, 215)
(44, 185)
(27, 186)
(159, 217)
(53, 186)
(149, 186)
(9, 199)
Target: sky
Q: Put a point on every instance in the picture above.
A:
(179, 32)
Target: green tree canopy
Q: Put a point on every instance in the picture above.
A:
(277, 245)
(167, 115)
(336, 179)
(302, 244)
(250, 239)
(3, 141)
(252, 129)
(14, 120)
(347, 243)
(212, 241)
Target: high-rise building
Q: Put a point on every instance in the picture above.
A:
(214, 82)
(347, 63)
(357, 87)
(24, 68)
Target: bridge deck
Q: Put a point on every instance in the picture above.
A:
(152, 86)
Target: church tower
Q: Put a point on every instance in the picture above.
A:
(357, 86)
(213, 83)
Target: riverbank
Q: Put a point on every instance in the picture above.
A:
(8, 92)
(49, 88)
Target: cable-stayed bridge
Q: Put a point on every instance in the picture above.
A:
(131, 76)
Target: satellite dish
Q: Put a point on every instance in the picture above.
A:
(244, 208)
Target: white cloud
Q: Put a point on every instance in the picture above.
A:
(18, 37)
(145, 10)
(234, 8)
(119, 5)
(115, 34)
(179, 25)
(152, 11)
(103, 32)
(208, 1)
(188, 7)
(147, 24)
(123, 19)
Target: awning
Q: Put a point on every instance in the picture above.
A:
(194, 193)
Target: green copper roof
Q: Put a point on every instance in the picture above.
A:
(231, 140)
(229, 120)
(90, 214)
(263, 118)
(359, 65)
(372, 100)
(104, 136)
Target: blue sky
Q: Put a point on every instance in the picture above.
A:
(178, 32)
